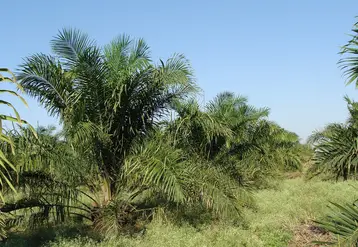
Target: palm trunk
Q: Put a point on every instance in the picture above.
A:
(345, 174)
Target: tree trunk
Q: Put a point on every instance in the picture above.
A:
(345, 174)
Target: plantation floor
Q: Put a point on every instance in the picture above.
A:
(283, 218)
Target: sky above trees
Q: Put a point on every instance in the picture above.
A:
(281, 54)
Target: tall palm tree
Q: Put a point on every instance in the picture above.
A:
(106, 98)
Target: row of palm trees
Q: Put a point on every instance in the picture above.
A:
(134, 140)
(336, 153)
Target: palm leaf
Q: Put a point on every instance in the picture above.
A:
(343, 222)
(69, 45)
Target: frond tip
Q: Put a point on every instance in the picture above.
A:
(343, 222)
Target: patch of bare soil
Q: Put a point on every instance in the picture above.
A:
(293, 175)
(305, 234)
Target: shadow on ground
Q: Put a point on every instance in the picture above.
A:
(42, 236)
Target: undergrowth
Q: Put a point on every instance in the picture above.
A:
(279, 212)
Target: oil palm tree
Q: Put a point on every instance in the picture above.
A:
(263, 151)
(48, 182)
(235, 136)
(349, 62)
(6, 76)
(218, 125)
(195, 129)
(255, 142)
(106, 98)
(7, 168)
(335, 147)
(236, 114)
(110, 101)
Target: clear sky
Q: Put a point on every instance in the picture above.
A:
(281, 54)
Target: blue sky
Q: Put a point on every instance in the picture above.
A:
(281, 54)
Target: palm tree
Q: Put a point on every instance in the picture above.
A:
(217, 126)
(336, 150)
(7, 168)
(111, 103)
(107, 99)
(263, 151)
(7, 76)
(48, 182)
(335, 147)
(349, 63)
(256, 144)
(235, 136)
(236, 114)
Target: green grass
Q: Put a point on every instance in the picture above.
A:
(278, 213)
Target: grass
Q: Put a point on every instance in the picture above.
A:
(280, 216)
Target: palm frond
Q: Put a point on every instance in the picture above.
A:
(343, 222)
(43, 77)
(69, 44)
(5, 164)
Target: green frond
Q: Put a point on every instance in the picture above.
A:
(6, 166)
(176, 72)
(335, 148)
(343, 222)
(161, 167)
(125, 55)
(69, 44)
(349, 63)
(43, 78)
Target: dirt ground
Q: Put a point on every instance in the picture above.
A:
(305, 234)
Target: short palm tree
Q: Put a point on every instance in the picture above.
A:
(235, 136)
(335, 147)
(107, 98)
(111, 102)
(48, 183)
(7, 76)
(7, 168)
